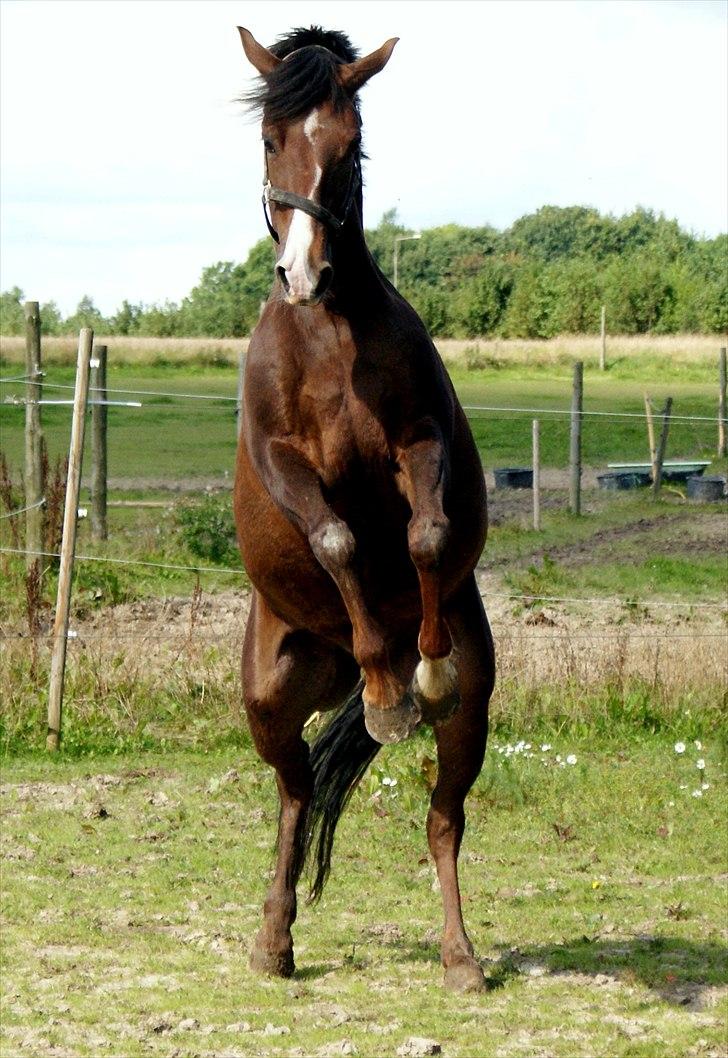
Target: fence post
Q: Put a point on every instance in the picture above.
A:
(99, 418)
(241, 390)
(661, 448)
(603, 349)
(33, 435)
(577, 401)
(536, 476)
(722, 376)
(651, 433)
(68, 542)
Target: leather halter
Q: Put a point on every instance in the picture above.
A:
(307, 205)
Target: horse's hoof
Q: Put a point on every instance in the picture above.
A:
(272, 963)
(464, 975)
(435, 689)
(395, 724)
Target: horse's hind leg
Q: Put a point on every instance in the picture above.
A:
(460, 750)
(287, 675)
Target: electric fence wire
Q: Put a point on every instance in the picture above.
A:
(505, 409)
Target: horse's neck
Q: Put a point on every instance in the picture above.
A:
(358, 283)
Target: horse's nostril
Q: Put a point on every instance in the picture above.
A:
(327, 274)
(281, 273)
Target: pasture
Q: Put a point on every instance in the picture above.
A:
(593, 890)
(593, 870)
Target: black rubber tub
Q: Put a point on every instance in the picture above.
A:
(624, 479)
(679, 476)
(706, 490)
(513, 478)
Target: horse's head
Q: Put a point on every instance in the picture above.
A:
(312, 139)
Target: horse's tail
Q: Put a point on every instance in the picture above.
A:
(339, 758)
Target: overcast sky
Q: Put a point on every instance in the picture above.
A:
(127, 167)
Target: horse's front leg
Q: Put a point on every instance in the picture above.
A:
(295, 485)
(424, 470)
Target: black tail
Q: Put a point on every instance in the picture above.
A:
(339, 757)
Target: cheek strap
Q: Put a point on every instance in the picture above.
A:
(290, 200)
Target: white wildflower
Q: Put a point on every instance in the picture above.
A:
(697, 793)
(706, 786)
(679, 747)
(571, 759)
(700, 764)
(698, 744)
(386, 781)
(546, 747)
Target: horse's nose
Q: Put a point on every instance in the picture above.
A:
(325, 277)
(304, 286)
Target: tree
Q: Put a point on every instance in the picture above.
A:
(12, 317)
(86, 315)
(127, 318)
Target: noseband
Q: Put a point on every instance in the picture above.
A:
(307, 205)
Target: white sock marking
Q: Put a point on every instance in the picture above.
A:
(436, 678)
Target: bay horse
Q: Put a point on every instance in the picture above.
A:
(359, 502)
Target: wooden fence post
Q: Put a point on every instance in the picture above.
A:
(241, 390)
(99, 455)
(722, 376)
(603, 348)
(536, 476)
(661, 448)
(651, 433)
(68, 542)
(577, 401)
(33, 436)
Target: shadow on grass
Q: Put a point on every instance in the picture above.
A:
(313, 972)
(679, 971)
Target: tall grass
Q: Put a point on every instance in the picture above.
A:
(684, 348)
(162, 688)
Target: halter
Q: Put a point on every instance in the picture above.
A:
(307, 205)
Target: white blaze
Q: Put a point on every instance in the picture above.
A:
(294, 260)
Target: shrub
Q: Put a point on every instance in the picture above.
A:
(208, 530)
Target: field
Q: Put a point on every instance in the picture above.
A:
(594, 864)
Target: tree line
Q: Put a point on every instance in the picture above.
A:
(548, 274)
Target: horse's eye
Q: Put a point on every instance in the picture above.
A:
(270, 149)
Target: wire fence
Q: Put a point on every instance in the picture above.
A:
(507, 410)
(170, 399)
(529, 597)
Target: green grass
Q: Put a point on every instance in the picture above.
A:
(132, 890)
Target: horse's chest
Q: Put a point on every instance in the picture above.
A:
(342, 433)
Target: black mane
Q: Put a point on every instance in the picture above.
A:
(308, 76)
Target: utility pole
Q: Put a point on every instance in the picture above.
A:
(397, 240)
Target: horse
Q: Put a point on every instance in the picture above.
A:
(359, 502)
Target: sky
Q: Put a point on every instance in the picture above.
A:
(127, 166)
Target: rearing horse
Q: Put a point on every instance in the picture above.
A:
(359, 501)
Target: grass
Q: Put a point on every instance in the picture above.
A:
(135, 861)
(132, 890)
(685, 350)
(195, 439)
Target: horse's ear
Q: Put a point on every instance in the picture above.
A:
(354, 74)
(261, 58)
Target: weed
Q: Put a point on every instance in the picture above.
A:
(208, 530)
(10, 497)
